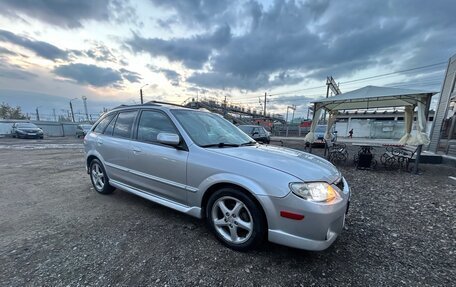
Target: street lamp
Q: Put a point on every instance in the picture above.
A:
(71, 108)
(141, 93)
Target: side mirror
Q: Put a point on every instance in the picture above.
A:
(335, 132)
(168, 139)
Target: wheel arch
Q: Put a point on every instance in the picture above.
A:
(219, 185)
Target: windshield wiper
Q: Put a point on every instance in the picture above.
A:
(220, 145)
(249, 143)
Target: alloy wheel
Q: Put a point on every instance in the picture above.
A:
(232, 219)
(98, 177)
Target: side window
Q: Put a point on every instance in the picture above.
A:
(124, 123)
(256, 130)
(151, 123)
(110, 128)
(103, 123)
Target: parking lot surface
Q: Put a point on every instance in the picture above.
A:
(56, 230)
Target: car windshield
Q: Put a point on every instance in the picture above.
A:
(320, 129)
(208, 129)
(26, 125)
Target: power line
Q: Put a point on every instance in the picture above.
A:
(397, 72)
(361, 79)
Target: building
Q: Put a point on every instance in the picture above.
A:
(443, 132)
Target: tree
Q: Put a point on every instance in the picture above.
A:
(11, 113)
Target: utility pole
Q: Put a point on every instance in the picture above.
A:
(55, 116)
(224, 107)
(84, 99)
(37, 114)
(264, 107)
(71, 109)
(141, 93)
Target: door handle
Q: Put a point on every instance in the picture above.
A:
(99, 141)
(136, 150)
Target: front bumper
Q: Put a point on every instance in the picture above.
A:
(320, 227)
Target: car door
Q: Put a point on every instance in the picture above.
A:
(256, 133)
(158, 169)
(114, 145)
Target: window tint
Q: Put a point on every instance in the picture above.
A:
(151, 123)
(124, 123)
(110, 127)
(103, 123)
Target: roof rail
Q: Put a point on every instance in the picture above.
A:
(163, 103)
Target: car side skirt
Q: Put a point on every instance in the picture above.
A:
(193, 211)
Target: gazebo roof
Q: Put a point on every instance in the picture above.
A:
(373, 97)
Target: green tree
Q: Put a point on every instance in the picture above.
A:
(13, 113)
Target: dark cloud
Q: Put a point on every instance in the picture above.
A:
(69, 13)
(219, 80)
(5, 51)
(89, 74)
(314, 38)
(173, 76)
(192, 52)
(196, 12)
(42, 49)
(12, 71)
(130, 76)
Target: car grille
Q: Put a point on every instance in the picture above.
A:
(340, 184)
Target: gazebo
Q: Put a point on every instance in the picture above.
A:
(379, 97)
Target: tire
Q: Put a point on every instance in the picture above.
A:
(241, 226)
(99, 178)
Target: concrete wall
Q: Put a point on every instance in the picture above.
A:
(51, 129)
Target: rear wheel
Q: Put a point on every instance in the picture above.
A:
(235, 219)
(99, 178)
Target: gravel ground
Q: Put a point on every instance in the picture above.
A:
(55, 230)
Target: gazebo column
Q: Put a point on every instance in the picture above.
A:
(421, 122)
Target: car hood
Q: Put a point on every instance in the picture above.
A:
(305, 166)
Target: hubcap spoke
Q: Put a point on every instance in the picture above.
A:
(233, 234)
(220, 222)
(244, 224)
(223, 207)
(237, 208)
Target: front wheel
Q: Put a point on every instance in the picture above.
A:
(236, 220)
(99, 178)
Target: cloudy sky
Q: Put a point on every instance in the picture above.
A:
(52, 51)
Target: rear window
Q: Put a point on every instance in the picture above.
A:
(103, 123)
(246, 129)
(124, 124)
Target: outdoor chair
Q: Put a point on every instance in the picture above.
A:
(397, 157)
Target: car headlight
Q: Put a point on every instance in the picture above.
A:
(314, 191)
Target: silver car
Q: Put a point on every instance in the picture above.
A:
(198, 163)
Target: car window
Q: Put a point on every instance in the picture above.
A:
(151, 123)
(124, 123)
(103, 123)
(256, 130)
(248, 130)
(110, 127)
(262, 132)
